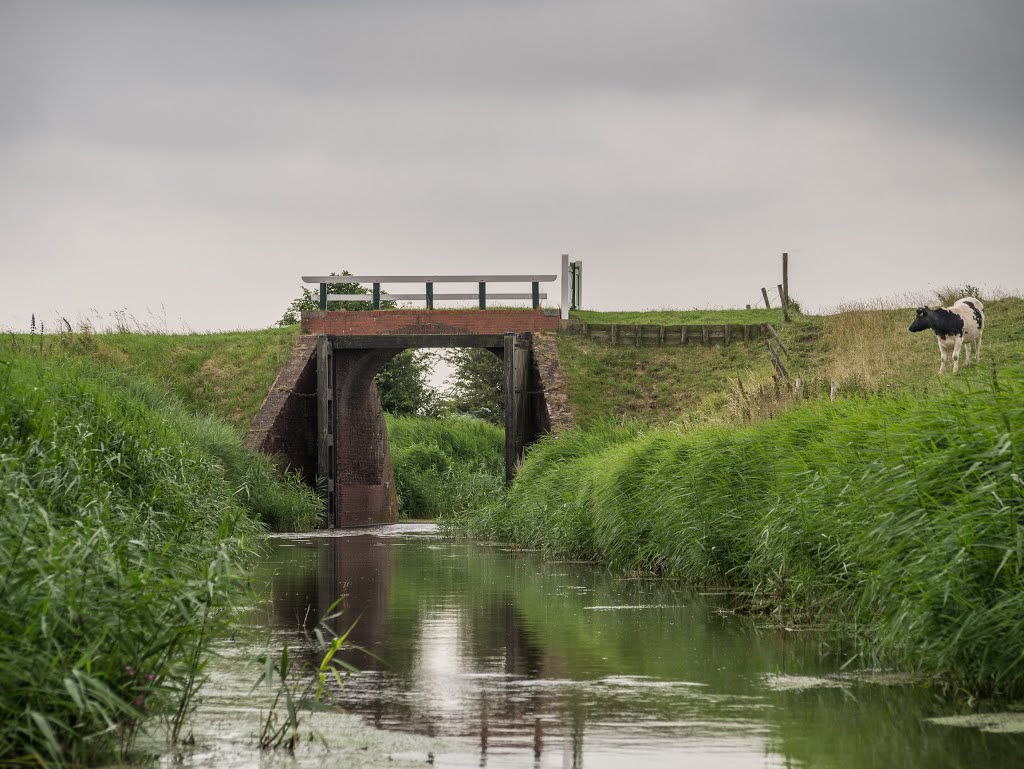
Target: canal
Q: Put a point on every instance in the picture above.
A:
(472, 655)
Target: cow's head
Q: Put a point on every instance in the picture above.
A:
(921, 321)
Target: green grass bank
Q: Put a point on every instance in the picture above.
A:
(127, 524)
(900, 515)
(225, 374)
(863, 348)
(445, 466)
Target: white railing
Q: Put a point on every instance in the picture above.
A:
(376, 295)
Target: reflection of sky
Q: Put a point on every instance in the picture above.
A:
(502, 660)
(451, 691)
(439, 669)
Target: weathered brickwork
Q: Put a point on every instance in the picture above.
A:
(285, 426)
(371, 322)
(365, 481)
(556, 414)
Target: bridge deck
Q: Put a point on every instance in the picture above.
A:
(357, 323)
(403, 341)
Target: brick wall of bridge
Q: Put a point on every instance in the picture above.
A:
(285, 426)
(372, 322)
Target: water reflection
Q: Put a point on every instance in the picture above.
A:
(560, 664)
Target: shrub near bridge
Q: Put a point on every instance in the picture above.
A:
(125, 528)
(901, 514)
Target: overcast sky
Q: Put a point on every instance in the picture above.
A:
(191, 160)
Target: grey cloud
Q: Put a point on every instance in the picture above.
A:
(184, 73)
(192, 144)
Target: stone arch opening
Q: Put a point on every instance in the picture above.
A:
(354, 452)
(323, 417)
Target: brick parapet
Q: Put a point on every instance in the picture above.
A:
(370, 322)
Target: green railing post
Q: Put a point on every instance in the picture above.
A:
(430, 296)
(536, 294)
(323, 296)
(483, 295)
(376, 296)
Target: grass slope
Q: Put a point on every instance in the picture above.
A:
(654, 385)
(126, 524)
(901, 514)
(863, 349)
(226, 374)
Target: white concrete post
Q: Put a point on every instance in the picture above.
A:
(565, 287)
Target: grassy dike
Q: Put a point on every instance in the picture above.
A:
(900, 515)
(864, 349)
(126, 526)
(226, 373)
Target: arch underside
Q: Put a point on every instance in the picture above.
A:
(359, 471)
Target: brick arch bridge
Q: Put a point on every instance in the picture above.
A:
(323, 416)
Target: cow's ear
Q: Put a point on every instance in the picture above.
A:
(922, 310)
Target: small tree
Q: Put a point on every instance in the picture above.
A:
(309, 301)
(479, 384)
(403, 386)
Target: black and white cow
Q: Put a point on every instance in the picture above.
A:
(954, 326)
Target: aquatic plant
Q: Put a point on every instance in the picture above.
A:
(301, 688)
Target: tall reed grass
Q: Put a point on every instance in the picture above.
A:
(445, 466)
(902, 515)
(126, 525)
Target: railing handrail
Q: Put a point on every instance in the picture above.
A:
(410, 297)
(429, 281)
(429, 278)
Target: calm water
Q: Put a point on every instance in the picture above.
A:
(481, 657)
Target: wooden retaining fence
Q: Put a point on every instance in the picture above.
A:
(643, 335)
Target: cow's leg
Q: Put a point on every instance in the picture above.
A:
(977, 350)
(967, 353)
(942, 357)
(957, 341)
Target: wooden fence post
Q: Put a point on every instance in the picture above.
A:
(785, 276)
(785, 303)
(764, 293)
(780, 370)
